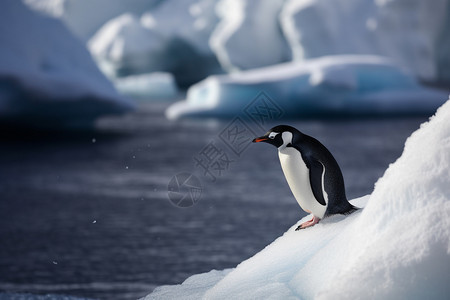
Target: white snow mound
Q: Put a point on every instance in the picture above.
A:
(397, 247)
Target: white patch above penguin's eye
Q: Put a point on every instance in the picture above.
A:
(272, 135)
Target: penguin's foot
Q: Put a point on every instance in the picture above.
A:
(309, 223)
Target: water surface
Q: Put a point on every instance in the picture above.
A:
(87, 214)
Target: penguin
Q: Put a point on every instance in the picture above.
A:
(311, 172)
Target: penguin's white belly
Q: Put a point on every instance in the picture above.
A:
(297, 176)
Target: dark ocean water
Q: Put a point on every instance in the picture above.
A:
(88, 214)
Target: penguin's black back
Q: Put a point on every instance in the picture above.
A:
(312, 151)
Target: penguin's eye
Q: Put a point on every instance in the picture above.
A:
(272, 135)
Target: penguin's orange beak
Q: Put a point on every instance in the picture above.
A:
(260, 139)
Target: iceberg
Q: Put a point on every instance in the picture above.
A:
(190, 20)
(158, 86)
(249, 34)
(409, 32)
(254, 34)
(354, 85)
(396, 247)
(244, 34)
(85, 17)
(46, 75)
(159, 40)
(127, 45)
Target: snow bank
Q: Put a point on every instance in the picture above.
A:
(160, 40)
(335, 85)
(148, 86)
(397, 247)
(46, 75)
(248, 35)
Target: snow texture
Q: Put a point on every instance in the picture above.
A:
(397, 247)
(334, 85)
(46, 74)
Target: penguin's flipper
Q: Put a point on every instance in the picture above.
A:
(316, 171)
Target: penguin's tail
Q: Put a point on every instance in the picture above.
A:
(351, 210)
(344, 208)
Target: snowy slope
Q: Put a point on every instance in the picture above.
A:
(330, 85)
(397, 247)
(46, 74)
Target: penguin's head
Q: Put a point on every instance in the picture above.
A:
(279, 136)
